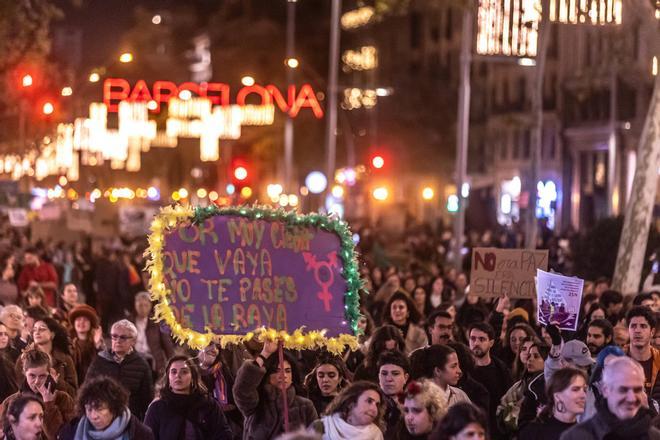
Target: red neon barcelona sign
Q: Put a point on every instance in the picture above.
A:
(118, 89)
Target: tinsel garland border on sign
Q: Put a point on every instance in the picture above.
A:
(171, 217)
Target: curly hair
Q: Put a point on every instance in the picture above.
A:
(348, 398)
(400, 295)
(102, 390)
(430, 396)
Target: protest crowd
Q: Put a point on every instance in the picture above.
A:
(81, 358)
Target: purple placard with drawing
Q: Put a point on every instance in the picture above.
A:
(233, 275)
(559, 298)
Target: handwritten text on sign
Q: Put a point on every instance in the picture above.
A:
(496, 272)
(234, 275)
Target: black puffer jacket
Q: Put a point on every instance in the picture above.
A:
(133, 373)
(173, 417)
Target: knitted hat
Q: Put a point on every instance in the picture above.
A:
(85, 311)
(518, 311)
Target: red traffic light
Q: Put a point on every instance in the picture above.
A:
(27, 80)
(48, 108)
(240, 173)
(377, 162)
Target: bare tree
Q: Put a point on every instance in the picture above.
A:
(639, 209)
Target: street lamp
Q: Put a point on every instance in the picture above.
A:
(126, 57)
(292, 62)
(66, 91)
(247, 81)
(428, 193)
(94, 77)
(27, 80)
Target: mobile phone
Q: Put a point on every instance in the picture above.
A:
(50, 384)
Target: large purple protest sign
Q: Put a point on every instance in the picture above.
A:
(233, 275)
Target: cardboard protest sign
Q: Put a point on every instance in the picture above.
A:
(226, 273)
(496, 272)
(559, 299)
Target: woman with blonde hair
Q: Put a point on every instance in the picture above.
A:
(423, 408)
(356, 414)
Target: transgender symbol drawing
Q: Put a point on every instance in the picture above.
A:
(323, 275)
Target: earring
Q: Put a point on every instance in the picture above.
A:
(560, 407)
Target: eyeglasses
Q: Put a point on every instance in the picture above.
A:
(120, 337)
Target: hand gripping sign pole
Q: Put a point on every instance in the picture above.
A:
(285, 401)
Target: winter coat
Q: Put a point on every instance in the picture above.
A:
(136, 430)
(533, 398)
(133, 373)
(83, 353)
(604, 425)
(56, 413)
(262, 406)
(173, 416)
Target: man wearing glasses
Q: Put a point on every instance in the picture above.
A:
(125, 365)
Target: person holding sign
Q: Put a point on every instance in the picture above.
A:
(258, 394)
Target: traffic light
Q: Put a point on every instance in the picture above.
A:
(377, 161)
(27, 80)
(48, 108)
(240, 174)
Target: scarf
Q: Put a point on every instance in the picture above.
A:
(336, 428)
(637, 427)
(118, 429)
(219, 384)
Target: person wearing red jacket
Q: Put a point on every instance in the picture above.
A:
(37, 272)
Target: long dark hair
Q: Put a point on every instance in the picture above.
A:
(272, 364)
(60, 338)
(457, 418)
(312, 385)
(425, 360)
(559, 381)
(519, 369)
(377, 345)
(196, 384)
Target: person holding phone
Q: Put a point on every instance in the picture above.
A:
(58, 405)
